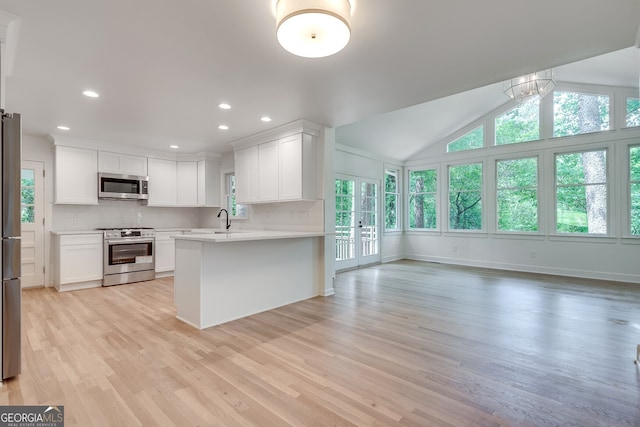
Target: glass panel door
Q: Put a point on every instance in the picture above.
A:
(368, 224)
(357, 228)
(345, 224)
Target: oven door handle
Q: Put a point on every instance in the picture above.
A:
(118, 241)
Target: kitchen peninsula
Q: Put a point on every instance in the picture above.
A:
(224, 276)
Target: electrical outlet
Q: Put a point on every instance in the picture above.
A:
(454, 248)
(532, 254)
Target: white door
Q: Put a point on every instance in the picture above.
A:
(32, 212)
(357, 227)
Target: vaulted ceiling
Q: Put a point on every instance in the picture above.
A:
(163, 66)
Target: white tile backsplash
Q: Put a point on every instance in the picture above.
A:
(112, 213)
(293, 216)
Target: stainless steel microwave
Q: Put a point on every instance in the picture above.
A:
(122, 187)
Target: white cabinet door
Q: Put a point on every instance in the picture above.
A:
(290, 156)
(165, 251)
(122, 163)
(246, 171)
(162, 182)
(187, 188)
(79, 258)
(268, 171)
(209, 183)
(76, 176)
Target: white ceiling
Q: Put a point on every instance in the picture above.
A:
(162, 66)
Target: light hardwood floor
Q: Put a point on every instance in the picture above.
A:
(404, 343)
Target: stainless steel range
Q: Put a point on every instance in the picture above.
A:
(129, 255)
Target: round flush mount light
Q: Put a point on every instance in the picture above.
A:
(224, 106)
(175, 147)
(265, 119)
(313, 28)
(223, 127)
(61, 127)
(91, 93)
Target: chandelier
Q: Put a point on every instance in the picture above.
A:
(313, 28)
(535, 84)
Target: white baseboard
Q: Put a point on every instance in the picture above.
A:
(78, 286)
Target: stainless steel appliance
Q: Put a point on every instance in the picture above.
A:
(122, 187)
(129, 255)
(11, 223)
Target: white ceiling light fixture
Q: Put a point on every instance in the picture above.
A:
(265, 119)
(223, 127)
(224, 106)
(91, 93)
(313, 28)
(535, 84)
(62, 127)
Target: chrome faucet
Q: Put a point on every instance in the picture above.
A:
(227, 215)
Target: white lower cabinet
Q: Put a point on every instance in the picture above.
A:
(78, 261)
(165, 251)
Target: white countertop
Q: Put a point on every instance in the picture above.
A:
(245, 235)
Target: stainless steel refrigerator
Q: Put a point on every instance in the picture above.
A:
(11, 165)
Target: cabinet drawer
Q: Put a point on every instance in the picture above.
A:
(80, 239)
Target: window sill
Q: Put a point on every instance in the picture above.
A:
(465, 233)
(422, 232)
(631, 240)
(579, 238)
(518, 236)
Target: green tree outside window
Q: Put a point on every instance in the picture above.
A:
(469, 141)
(465, 197)
(423, 185)
(517, 194)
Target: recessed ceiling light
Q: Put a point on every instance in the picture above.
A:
(265, 118)
(174, 146)
(223, 127)
(91, 94)
(64, 127)
(224, 106)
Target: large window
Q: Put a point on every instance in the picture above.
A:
(235, 210)
(581, 192)
(469, 141)
(465, 197)
(423, 185)
(634, 186)
(633, 112)
(519, 124)
(517, 194)
(391, 197)
(578, 113)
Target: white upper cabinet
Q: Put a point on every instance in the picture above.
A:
(122, 163)
(297, 171)
(209, 182)
(187, 183)
(268, 172)
(76, 176)
(246, 171)
(162, 182)
(280, 170)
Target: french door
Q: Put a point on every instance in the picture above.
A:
(357, 227)
(32, 212)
